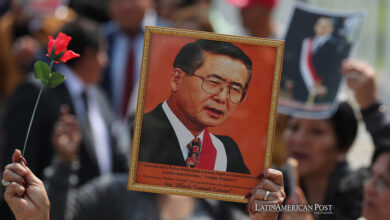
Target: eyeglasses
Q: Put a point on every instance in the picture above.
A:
(214, 84)
(381, 185)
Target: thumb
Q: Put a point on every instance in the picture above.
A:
(64, 109)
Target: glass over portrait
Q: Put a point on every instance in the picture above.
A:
(205, 113)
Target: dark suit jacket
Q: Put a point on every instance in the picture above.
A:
(159, 144)
(39, 150)
(327, 63)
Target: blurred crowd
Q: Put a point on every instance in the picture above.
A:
(79, 144)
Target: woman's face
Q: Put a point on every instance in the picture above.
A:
(377, 190)
(314, 144)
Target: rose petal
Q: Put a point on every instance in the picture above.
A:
(68, 55)
(61, 42)
(50, 45)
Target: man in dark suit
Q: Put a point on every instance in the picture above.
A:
(125, 38)
(320, 62)
(100, 151)
(209, 80)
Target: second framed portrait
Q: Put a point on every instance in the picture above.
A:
(205, 114)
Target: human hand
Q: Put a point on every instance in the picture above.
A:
(320, 89)
(361, 79)
(67, 136)
(25, 193)
(270, 191)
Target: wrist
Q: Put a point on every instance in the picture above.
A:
(372, 108)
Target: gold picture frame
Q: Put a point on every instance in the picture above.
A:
(161, 45)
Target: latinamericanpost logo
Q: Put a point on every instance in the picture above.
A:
(314, 208)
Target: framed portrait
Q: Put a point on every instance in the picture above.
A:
(205, 114)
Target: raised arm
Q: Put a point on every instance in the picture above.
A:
(361, 78)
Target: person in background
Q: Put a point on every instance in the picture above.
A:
(17, 47)
(377, 187)
(361, 78)
(326, 179)
(345, 187)
(22, 34)
(256, 16)
(125, 37)
(194, 17)
(102, 150)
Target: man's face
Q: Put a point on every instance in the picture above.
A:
(129, 13)
(97, 61)
(197, 108)
(323, 27)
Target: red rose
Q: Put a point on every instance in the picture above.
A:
(57, 51)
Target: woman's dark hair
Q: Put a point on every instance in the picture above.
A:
(345, 125)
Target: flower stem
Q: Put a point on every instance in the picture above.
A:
(33, 114)
(32, 118)
(51, 64)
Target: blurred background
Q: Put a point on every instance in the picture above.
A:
(25, 25)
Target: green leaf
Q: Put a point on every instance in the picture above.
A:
(42, 71)
(56, 79)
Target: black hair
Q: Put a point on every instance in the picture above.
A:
(191, 56)
(85, 34)
(345, 125)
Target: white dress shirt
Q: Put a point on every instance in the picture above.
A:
(318, 41)
(185, 137)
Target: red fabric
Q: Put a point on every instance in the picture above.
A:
(270, 4)
(310, 62)
(128, 86)
(208, 154)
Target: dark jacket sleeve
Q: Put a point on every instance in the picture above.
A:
(89, 201)
(377, 124)
(102, 198)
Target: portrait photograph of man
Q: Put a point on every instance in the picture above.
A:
(208, 81)
(206, 106)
